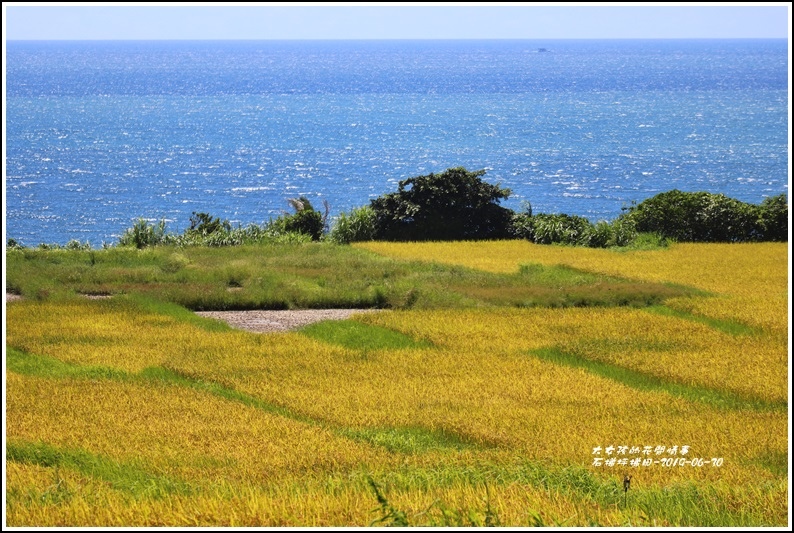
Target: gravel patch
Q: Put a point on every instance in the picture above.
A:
(274, 321)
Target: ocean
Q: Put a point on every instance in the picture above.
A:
(100, 133)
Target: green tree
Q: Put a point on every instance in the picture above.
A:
(774, 218)
(453, 205)
(699, 217)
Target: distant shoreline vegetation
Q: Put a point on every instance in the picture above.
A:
(458, 205)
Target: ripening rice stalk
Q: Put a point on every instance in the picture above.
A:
(752, 275)
(188, 426)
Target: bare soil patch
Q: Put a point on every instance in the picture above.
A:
(274, 321)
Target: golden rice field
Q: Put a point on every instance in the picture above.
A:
(120, 415)
(749, 281)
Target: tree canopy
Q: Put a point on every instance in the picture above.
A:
(453, 205)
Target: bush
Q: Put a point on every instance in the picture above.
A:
(453, 205)
(572, 230)
(699, 217)
(12, 244)
(74, 244)
(521, 226)
(204, 224)
(143, 234)
(359, 225)
(305, 220)
(521, 223)
(624, 231)
(560, 229)
(598, 236)
(773, 216)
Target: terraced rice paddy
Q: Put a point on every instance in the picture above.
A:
(125, 411)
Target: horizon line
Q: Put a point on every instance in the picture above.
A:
(425, 39)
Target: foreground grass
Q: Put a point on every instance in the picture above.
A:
(134, 411)
(509, 493)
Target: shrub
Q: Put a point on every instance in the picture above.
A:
(305, 220)
(598, 235)
(12, 244)
(560, 229)
(454, 205)
(143, 234)
(575, 230)
(74, 244)
(521, 223)
(624, 231)
(773, 218)
(359, 225)
(204, 224)
(724, 219)
(521, 226)
(699, 217)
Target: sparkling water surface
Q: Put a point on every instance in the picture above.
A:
(101, 133)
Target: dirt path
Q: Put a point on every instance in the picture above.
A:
(271, 321)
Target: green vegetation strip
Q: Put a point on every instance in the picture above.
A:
(646, 382)
(309, 276)
(49, 367)
(129, 477)
(411, 440)
(140, 302)
(730, 327)
(403, 440)
(358, 336)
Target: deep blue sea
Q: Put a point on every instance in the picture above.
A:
(101, 133)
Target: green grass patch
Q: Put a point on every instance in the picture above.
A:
(165, 375)
(24, 363)
(358, 336)
(148, 304)
(646, 382)
(129, 477)
(730, 327)
(310, 275)
(645, 241)
(398, 440)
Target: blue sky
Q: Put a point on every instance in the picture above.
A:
(397, 21)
